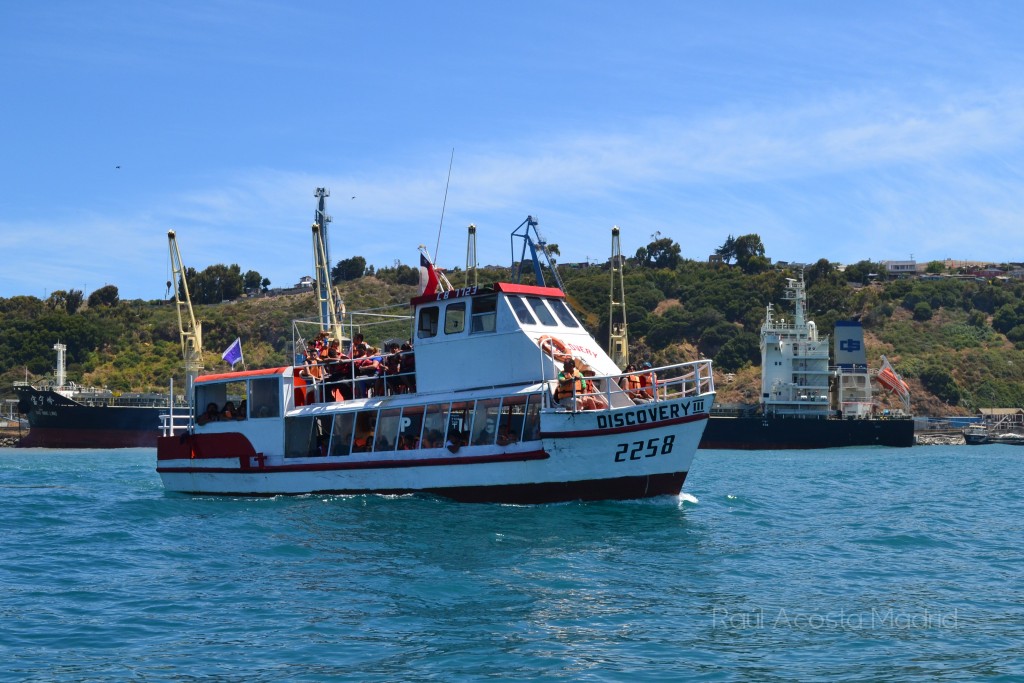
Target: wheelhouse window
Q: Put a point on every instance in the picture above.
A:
(563, 313)
(485, 311)
(522, 312)
(427, 325)
(455, 318)
(541, 311)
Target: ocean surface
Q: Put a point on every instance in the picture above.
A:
(850, 564)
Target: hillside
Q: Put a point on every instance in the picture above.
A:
(949, 338)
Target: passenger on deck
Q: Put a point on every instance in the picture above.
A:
(571, 387)
(648, 383)
(212, 414)
(631, 385)
(392, 369)
(408, 379)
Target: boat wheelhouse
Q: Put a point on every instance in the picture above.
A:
(475, 420)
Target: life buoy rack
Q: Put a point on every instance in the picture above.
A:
(554, 347)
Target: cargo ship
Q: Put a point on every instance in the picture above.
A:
(62, 414)
(807, 403)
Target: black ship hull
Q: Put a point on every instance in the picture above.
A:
(771, 433)
(59, 422)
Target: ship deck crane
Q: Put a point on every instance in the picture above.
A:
(189, 329)
(326, 294)
(618, 337)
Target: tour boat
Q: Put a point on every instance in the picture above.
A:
(476, 420)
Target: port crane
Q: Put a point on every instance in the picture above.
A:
(189, 329)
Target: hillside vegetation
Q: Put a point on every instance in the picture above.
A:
(959, 343)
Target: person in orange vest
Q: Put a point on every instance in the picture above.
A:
(648, 383)
(573, 388)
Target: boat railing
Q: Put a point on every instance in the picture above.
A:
(664, 383)
(175, 423)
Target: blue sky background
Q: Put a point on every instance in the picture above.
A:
(838, 130)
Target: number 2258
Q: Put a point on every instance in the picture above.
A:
(635, 450)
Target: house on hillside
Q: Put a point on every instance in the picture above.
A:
(900, 268)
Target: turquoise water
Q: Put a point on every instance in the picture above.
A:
(851, 564)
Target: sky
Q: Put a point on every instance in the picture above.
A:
(840, 130)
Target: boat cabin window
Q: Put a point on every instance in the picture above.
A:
(410, 427)
(427, 326)
(485, 311)
(542, 312)
(388, 426)
(226, 400)
(306, 437)
(563, 313)
(366, 427)
(455, 318)
(265, 397)
(341, 434)
(485, 424)
(433, 426)
(460, 421)
(521, 311)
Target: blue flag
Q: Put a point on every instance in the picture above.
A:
(234, 352)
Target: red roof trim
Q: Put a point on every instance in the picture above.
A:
(533, 290)
(241, 375)
(506, 287)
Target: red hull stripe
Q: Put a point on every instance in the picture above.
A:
(368, 464)
(620, 488)
(623, 430)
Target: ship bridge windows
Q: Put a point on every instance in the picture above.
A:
(427, 325)
(522, 312)
(485, 311)
(541, 311)
(563, 313)
(254, 398)
(455, 318)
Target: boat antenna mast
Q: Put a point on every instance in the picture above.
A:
(618, 339)
(471, 263)
(190, 330)
(326, 305)
(528, 233)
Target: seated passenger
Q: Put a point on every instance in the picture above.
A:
(229, 411)
(212, 414)
(506, 436)
(243, 410)
(631, 385)
(648, 383)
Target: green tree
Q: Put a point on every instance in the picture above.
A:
(349, 269)
(728, 250)
(750, 254)
(104, 296)
(661, 252)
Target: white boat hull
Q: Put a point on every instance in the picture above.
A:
(642, 452)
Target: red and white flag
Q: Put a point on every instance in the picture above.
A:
(428, 276)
